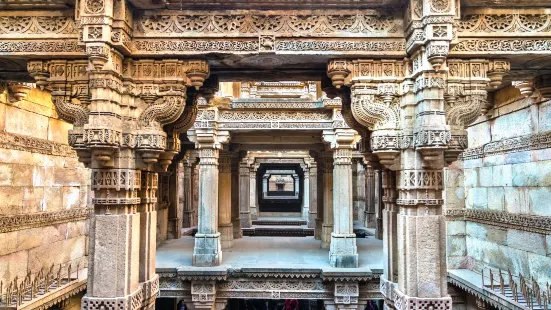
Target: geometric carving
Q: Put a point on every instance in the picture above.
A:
(32, 220)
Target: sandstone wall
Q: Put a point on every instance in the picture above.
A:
(507, 169)
(43, 189)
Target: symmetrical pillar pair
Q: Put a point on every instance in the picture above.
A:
(414, 113)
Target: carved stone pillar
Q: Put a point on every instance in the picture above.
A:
(195, 192)
(207, 250)
(189, 213)
(224, 201)
(343, 251)
(176, 207)
(313, 194)
(359, 189)
(345, 296)
(306, 194)
(327, 172)
(244, 193)
(390, 234)
(370, 214)
(203, 294)
(237, 233)
(320, 194)
(253, 193)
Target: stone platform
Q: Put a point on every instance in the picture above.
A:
(270, 268)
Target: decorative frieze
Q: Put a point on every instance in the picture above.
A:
(34, 145)
(198, 24)
(536, 141)
(40, 26)
(526, 222)
(33, 220)
(494, 24)
(506, 46)
(275, 289)
(43, 47)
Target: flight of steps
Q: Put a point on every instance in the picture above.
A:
(282, 227)
(522, 303)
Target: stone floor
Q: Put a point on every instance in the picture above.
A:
(270, 252)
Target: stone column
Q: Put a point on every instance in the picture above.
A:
(379, 206)
(313, 195)
(343, 252)
(195, 193)
(320, 193)
(370, 214)
(296, 183)
(306, 194)
(327, 189)
(360, 203)
(244, 193)
(390, 234)
(207, 250)
(189, 214)
(176, 188)
(148, 231)
(224, 200)
(237, 233)
(253, 193)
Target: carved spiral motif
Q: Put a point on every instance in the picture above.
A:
(75, 114)
(164, 113)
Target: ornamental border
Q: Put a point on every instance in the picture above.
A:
(35, 145)
(525, 222)
(535, 141)
(11, 223)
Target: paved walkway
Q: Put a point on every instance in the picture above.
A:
(270, 252)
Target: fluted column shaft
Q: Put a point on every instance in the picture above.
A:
(306, 194)
(244, 195)
(253, 195)
(327, 227)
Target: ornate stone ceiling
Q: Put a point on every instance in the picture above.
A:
(36, 4)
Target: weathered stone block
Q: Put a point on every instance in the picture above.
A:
(8, 242)
(15, 157)
(472, 163)
(2, 116)
(539, 200)
(502, 175)
(53, 198)
(33, 199)
(538, 155)
(57, 130)
(23, 175)
(517, 200)
(14, 265)
(527, 241)
(496, 198)
(540, 268)
(479, 134)
(26, 123)
(71, 197)
(519, 120)
(12, 200)
(56, 253)
(5, 174)
(485, 176)
(544, 113)
(532, 174)
(486, 232)
(66, 177)
(471, 177)
(456, 246)
(477, 198)
(456, 228)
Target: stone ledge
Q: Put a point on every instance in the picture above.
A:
(24, 221)
(525, 222)
(55, 297)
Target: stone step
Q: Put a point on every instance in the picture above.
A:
(280, 222)
(278, 231)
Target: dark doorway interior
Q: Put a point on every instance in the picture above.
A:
(284, 203)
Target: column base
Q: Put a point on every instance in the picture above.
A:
(207, 251)
(254, 213)
(226, 235)
(312, 219)
(237, 233)
(343, 252)
(245, 218)
(318, 229)
(326, 232)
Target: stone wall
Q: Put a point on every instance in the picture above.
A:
(507, 168)
(43, 190)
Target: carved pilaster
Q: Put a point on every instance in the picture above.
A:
(224, 200)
